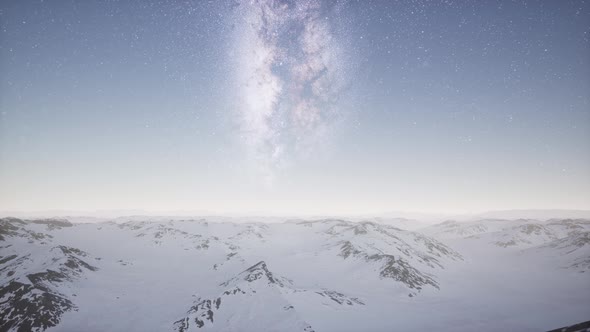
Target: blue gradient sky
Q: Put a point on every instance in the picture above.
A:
(454, 106)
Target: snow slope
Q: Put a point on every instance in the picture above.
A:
(192, 274)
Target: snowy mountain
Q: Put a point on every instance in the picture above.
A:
(36, 288)
(564, 242)
(192, 274)
(519, 233)
(255, 292)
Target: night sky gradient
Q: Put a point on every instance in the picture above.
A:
(294, 107)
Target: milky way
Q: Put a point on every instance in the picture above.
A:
(295, 106)
(290, 68)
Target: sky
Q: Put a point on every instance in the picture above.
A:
(294, 107)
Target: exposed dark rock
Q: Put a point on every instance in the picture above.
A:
(580, 327)
(181, 325)
(391, 267)
(340, 298)
(400, 270)
(37, 304)
(347, 250)
(26, 307)
(256, 272)
(42, 279)
(7, 258)
(9, 227)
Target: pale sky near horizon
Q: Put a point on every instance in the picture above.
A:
(327, 107)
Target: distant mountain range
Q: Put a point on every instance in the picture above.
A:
(221, 274)
(423, 218)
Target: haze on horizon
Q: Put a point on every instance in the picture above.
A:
(294, 107)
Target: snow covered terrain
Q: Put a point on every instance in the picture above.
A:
(183, 274)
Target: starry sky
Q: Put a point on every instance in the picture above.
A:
(294, 107)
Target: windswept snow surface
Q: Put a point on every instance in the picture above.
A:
(171, 274)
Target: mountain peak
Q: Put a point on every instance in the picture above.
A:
(258, 271)
(258, 266)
